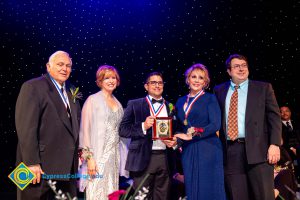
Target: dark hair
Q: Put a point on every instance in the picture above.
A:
(153, 74)
(238, 56)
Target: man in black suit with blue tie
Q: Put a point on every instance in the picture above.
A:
(146, 156)
(47, 122)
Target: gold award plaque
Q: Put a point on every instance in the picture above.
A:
(162, 128)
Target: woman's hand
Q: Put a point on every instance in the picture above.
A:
(183, 136)
(92, 167)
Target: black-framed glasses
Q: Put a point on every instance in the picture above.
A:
(242, 66)
(159, 83)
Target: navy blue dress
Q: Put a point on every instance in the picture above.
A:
(202, 157)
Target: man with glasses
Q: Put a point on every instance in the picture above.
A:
(147, 156)
(250, 132)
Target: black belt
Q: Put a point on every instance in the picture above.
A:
(158, 151)
(238, 140)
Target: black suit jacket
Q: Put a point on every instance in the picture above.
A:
(262, 120)
(286, 135)
(46, 136)
(131, 127)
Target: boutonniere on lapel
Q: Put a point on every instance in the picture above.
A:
(75, 94)
(171, 108)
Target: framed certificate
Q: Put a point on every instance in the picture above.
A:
(162, 128)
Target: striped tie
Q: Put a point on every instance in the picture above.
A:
(232, 131)
(289, 127)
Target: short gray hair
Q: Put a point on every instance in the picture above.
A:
(58, 53)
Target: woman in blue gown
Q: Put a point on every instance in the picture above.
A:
(199, 115)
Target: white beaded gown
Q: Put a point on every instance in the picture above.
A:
(99, 132)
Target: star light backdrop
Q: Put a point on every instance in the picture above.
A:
(140, 36)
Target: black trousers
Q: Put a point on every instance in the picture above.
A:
(244, 181)
(42, 191)
(158, 180)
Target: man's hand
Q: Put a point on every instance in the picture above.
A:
(149, 122)
(273, 154)
(293, 150)
(92, 167)
(170, 143)
(179, 177)
(276, 192)
(37, 170)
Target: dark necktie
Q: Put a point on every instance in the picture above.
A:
(153, 101)
(289, 127)
(232, 131)
(68, 109)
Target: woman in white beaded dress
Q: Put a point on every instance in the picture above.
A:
(99, 138)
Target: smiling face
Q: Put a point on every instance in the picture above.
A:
(155, 86)
(238, 70)
(109, 82)
(107, 78)
(59, 66)
(285, 113)
(196, 81)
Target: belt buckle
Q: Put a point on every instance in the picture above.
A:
(239, 140)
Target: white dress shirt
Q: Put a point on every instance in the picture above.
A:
(157, 144)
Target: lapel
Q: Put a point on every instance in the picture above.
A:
(223, 95)
(74, 113)
(145, 113)
(168, 109)
(251, 101)
(294, 124)
(58, 103)
(145, 109)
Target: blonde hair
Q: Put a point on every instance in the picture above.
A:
(197, 67)
(106, 70)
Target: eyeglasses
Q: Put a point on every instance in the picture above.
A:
(242, 66)
(153, 83)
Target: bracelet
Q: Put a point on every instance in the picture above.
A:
(193, 131)
(86, 153)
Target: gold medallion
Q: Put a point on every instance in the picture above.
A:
(185, 122)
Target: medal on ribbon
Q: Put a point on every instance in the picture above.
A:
(185, 122)
(162, 127)
(190, 105)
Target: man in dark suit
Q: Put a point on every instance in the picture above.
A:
(291, 136)
(47, 122)
(146, 156)
(251, 150)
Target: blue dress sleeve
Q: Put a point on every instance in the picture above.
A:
(214, 119)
